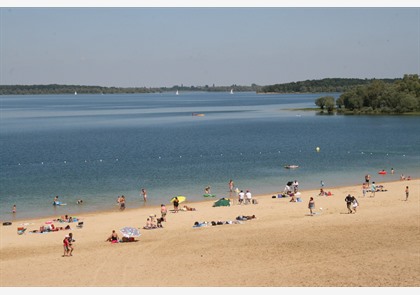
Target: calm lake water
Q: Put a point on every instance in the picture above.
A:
(97, 147)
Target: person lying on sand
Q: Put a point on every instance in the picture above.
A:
(188, 208)
(245, 217)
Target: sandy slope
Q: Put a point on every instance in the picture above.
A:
(378, 246)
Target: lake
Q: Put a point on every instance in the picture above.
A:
(98, 147)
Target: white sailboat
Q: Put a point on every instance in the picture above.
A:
(75, 93)
(177, 93)
(231, 91)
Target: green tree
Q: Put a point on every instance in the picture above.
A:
(326, 102)
(320, 102)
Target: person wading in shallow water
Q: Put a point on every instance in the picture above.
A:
(144, 194)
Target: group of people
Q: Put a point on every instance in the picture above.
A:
(153, 222)
(324, 193)
(351, 203)
(245, 197)
(402, 177)
(121, 202)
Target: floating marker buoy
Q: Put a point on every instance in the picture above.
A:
(318, 149)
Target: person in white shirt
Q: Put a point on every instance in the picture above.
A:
(248, 196)
(295, 186)
(241, 196)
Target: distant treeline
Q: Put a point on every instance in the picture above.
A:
(80, 89)
(310, 86)
(377, 97)
(323, 85)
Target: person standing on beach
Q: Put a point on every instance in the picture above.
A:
(372, 189)
(176, 204)
(311, 205)
(349, 201)
(144, 193)
(163, 212)
(70, 244)
(364, 189)
(406, 193)
(66, 245)
(248, 196)
(241, 197)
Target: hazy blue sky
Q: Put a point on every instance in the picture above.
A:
(197, 46)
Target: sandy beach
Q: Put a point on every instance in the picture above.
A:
(283, 247)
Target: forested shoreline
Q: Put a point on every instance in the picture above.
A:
(377, 97)
(81, 89)
(309, 86)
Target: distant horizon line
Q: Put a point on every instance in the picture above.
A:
(198, 86)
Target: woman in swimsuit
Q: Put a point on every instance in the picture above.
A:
(113, 237)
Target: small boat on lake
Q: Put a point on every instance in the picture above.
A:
(291, 166)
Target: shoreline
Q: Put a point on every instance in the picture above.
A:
(204, 201)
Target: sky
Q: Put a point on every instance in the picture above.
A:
(197, 46)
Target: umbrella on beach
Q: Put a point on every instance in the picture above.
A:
(129, 232)
(180, 199)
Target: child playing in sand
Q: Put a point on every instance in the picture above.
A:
(355, 204)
